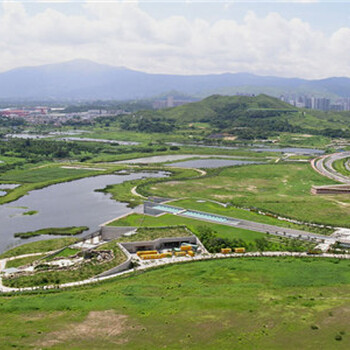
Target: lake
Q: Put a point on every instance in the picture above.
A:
(211, 163)
(66, 204)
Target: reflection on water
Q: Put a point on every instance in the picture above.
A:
(211, 163)
(67, 204)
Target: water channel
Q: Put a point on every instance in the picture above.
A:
(73, 203)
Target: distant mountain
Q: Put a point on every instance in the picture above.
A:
(83, 79)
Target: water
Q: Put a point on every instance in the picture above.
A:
(124, 143)
(211, 163)
(8, 186)
(67, 204)
(262, 148)
(28, 136)
(159, 159)
(290, 150)
(3, 193)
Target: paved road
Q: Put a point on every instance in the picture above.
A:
(324, 166)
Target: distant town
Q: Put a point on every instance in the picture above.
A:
(58, 116)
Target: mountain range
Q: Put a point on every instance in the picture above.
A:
(84, 79)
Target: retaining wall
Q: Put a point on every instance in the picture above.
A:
(112, 232)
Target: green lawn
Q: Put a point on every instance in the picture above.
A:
(248, 303)
(46, 173)
(39, 247)
(169, 219)
(211, 207)
(23, 261)
(282, 188)
(151, 233)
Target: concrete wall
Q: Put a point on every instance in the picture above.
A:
(333, 189)
(122, 267)
(148, 209)
(112, 232)
(133, 247)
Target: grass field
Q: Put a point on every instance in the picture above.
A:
(39, 247)
(248, 303)
(282, 188)
(138, 220)
(239, 213)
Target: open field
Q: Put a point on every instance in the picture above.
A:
(282, 188)
(138, 220)
(39, 247)
(240, 303)
(123, 192)
(149, 234)
(210, 207)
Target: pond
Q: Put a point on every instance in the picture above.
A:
(8, 186)
(261, 148)
(86, 139)
(290, 150)
(211, 163)
(159, 159)
(73, 203)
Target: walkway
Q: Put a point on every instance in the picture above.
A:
(324, 166)
(163, 262)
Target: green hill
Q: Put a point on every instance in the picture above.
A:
(216, 105)
(255, 117)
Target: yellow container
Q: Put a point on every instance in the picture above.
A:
(166, 255)
(146, 252)
(150, 256)
(190, 253)
(180, 253)
(226, 250)
(186, 247)
(239, 250)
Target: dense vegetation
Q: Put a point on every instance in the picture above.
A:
(215, 243)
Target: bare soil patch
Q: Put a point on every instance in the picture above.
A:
(98, 324)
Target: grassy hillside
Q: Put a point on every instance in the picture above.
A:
(244, 303)
(256, 117)
(214, 105)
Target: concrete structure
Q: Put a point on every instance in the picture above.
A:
(159, 244)
(109, 233)
(331, 189)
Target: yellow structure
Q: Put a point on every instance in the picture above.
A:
(150, 256)
(166, 255)
(190, 252)
(146, 252)
(186, 247)
(226, 250)
(183, 253)
(240, 250)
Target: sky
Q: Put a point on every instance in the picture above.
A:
(302, 38)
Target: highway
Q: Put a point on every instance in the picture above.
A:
(324, 166)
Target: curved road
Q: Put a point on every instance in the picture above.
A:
(324, 166)
(4, 289)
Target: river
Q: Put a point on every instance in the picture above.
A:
(74, 203)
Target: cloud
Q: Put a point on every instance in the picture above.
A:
(123, 34)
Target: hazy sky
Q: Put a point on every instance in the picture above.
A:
(308, 39)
